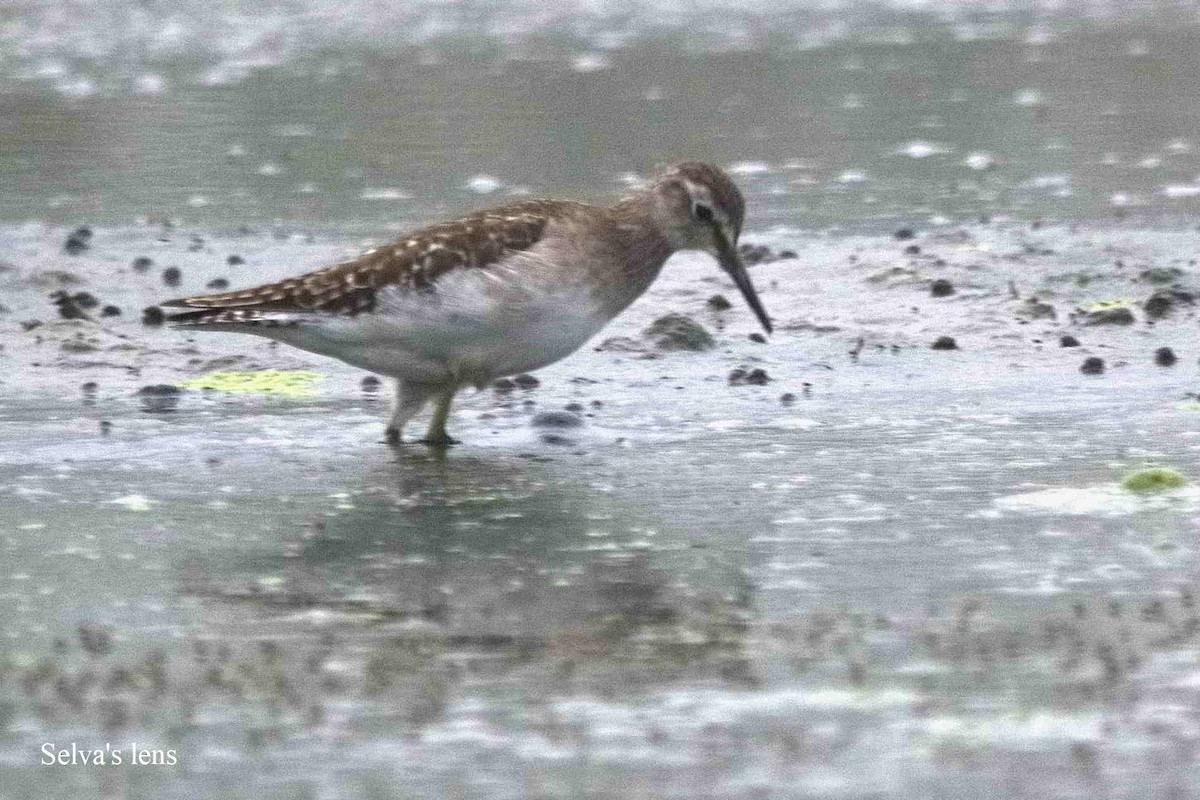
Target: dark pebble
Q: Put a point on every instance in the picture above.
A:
(77, 241)
(556, 419)
(30, 324)
(196, 245)
(90, 387)
(944, 343)
(1165, 357)
(912, 250)
(758, 337)
(233, 261)
(576, 408)
(787, 398)
(1068, 341)
(153, 315)
(503, 385)
(1092, 366)
(159, 390)
(524, 381)
(172, 276)
(142, 264)
(217, 283)
(753, 377)
(903, 234)
(718, 302)
(370, 384)
(941, 288)
(785, 255)
(110, 311)
(105, 427)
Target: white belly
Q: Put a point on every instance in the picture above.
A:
(471, 329)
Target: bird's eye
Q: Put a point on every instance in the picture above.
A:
(702, 212)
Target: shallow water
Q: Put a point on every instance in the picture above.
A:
(828, 119)
(890, 571)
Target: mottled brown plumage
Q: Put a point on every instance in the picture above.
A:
(411, 262)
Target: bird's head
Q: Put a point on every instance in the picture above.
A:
(698, 207)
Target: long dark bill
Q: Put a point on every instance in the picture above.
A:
(731, 263)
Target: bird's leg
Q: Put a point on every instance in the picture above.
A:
(410, 398)
(436, 435)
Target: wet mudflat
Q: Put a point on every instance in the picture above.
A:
(886, 553)
(877, 568)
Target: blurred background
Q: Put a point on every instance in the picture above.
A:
(370, 113)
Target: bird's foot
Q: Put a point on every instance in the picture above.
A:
(391, 436)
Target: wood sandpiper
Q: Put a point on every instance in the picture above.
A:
(499, 292)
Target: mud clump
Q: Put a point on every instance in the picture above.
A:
(904, 234)
(524, 381)
(142, 264)
(159, 398)
(678, 332)
(78, 241)
(1116, 315)
(235, 260)
(1161, 274)
(755, 254)
(172, 276)
(556, 419)
(1093, 365)
(754, 377)
(1165, 357)
(217, 284)
(503, 385)
(944, 343)
(1163, 302)
(941, 288)
(85, 300)
(718, 302)
(69, 305)
(1034, 308)
(621, 344)
(159, 390)
(110, 311)
(1068, 341)
(153, 316)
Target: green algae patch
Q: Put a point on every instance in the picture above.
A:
(1153, 479)
(1108, 305)
(292, 383)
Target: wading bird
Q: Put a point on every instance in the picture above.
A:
(495, 293)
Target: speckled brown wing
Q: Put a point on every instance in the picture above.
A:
(413, 262)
